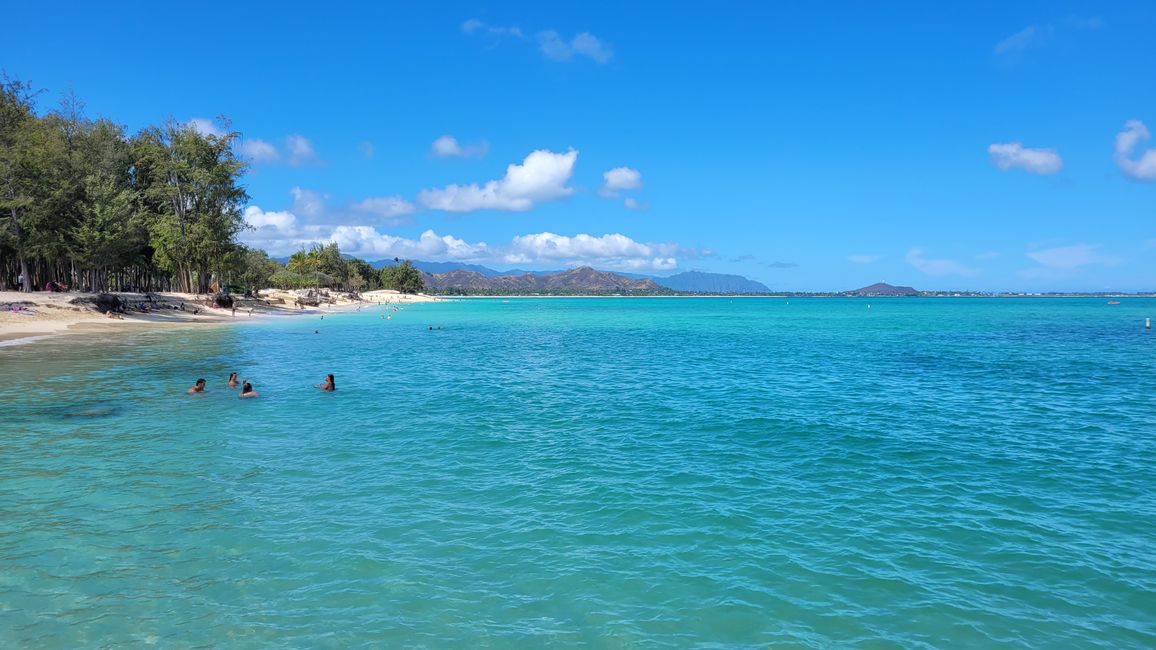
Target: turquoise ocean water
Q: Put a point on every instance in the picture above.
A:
(615, 473)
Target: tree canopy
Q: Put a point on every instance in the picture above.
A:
(85, 204)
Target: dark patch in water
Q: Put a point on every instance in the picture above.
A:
(86, 411)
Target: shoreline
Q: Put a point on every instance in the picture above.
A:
(26, 318)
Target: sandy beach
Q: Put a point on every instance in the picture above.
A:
(26, 317)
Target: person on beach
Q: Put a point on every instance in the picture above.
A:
(232, 380)
(247, 391)
(198, 387)
(328, 385)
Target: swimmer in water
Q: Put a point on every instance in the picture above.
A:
(328, 385)
(232, 380)
(198, 387)
(247, 391)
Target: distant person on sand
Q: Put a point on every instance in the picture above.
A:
(198, 387)
(232, 380)
(247, 391)
(328, 385)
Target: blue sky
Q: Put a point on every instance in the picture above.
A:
(991, 145)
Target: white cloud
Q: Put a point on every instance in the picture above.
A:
(205, 126)
(542, 176)
(1030, 36)
(258, 150)
(1071, 257)
(298, 150)
(937, 266)
(610, 251)
(283, 221)
(583, 44)
(366, 148)
(447, 146)
(308, 203)
(390, 209)
(631, 204)
(863, 259)
(1014, 155)
(620, 178)
(1133, 135)
(473, 25)
(552, 45)
(282, 233)
(367, 242)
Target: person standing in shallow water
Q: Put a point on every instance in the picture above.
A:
(328, 384)
(232, 380)
(198, 387)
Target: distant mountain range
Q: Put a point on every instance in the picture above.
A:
(477, 278)
(699, 282)
(580, 280)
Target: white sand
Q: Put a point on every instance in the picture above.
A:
(41, 314)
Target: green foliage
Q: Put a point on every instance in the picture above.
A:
(403, 277)
(82, 202)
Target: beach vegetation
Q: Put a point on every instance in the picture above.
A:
(403, 277)
(85, 205)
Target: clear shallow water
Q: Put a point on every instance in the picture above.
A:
(611, 473)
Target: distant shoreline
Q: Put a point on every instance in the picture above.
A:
(749, 296)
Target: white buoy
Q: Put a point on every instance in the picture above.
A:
(1147, 323)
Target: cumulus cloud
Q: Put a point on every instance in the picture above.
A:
(282, 232)
(937, 267)
(258, 150)
(863, 259)
(618, 179)
(542, 176)
(552, 44)
(1142, 168)
(205, 126)
(447, 146)
(585, 44)
(297, 150)
(1014, 155)
(365, 241)
(1071, 257)
(390, 210)
(300, 150)
(308, 203)
(611, 251)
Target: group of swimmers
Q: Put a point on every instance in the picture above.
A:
(247, 388)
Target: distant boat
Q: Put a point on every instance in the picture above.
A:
(1113, 302)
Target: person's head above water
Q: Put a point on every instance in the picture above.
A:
(328, 384)
(198, 386)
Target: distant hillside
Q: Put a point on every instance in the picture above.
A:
(440, 267)
(699, 282)
(574, 281)
(883, 289)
